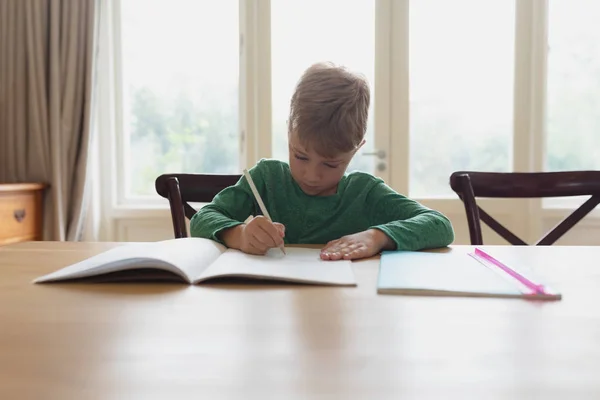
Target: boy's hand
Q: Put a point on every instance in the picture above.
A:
(259, 235)
(359, 245)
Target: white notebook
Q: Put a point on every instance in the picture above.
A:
(449, 274)
(195, 260)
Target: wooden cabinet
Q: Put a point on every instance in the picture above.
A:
(21, 207)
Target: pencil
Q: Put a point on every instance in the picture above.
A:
(260, 202)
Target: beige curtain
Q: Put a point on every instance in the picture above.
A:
(47, 50)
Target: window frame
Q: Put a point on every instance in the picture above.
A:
(391, 114)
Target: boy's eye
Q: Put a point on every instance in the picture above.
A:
(302, 158)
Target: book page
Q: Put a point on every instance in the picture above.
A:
(186, 257)
(298, 265)
(191, 255)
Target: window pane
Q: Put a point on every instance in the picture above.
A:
(461, 90)
(307, 31)
(180, 89)
(573, 95)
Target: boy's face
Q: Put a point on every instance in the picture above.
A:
(316, 175)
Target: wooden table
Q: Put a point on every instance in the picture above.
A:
(169, 341)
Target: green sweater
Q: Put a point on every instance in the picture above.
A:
(362, 201)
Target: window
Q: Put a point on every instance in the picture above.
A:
(185, 89)
(461, 90)
(180, 68)
(307, 31)
(573, 93)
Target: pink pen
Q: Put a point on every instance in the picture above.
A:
(535, 287)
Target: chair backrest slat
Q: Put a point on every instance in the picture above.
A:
(469, 185)
(182, 189)
(530, 184)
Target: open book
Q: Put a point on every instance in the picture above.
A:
(450, 273)
(194, 260)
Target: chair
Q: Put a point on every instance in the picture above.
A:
(469, 184)
(180, 189)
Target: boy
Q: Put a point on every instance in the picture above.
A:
(312, 199)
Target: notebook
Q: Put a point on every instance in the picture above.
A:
(449, 273)
(196, 260)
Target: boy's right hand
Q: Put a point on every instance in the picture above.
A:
(256, 236)
(259, 235)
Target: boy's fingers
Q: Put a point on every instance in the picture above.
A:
(328, 246)
(256, 235)
(331, 243)
(331, 255)
(280, 228)
(256, 250)
(341, 249)
(354, 254)
(261, 238)
(272, 233)
(353, 246)
(335, 246)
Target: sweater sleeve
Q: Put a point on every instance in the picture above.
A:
(409, 224)
(230, 207)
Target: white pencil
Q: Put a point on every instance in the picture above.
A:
(259, 200)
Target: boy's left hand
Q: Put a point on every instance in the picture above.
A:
(359, 245)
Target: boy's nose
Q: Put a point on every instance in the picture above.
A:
(311, 176)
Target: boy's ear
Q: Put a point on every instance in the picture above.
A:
(360, 145)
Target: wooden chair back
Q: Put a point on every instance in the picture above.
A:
(469, 185)
(182, 189)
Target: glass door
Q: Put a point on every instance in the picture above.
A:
(344, 32)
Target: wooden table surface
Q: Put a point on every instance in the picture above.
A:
(170, 341)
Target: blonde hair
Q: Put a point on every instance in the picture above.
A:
(329, 109)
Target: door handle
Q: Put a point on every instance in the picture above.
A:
(378, 153)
